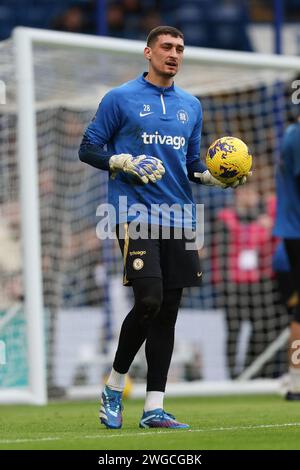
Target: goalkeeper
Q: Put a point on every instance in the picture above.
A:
(146, 134)
(287, 226)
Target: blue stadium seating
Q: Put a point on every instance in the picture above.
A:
(7, 21)
(33, 13)
(206, 23)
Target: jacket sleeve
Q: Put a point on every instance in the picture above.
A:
(294, 144)
(93, 147)
(193, 160)
(94, 155)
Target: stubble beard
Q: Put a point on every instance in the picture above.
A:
(167, 74)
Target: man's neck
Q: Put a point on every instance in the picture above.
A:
(157, 80)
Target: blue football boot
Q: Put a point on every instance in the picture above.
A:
(111, 408)
(160, 419)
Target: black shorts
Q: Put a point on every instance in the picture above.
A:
(292, 247)
(287, 288)
(167, 259)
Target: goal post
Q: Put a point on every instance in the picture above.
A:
(29, 199)
(52, 77)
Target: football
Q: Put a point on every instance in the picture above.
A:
(228, 159)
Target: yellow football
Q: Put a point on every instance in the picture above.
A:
(228, 159)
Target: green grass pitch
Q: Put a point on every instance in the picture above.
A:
(232, 422)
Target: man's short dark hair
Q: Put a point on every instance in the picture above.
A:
(159, 30)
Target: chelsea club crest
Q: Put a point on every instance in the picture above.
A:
(182, 116)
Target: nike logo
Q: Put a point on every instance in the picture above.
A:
(145, 114)
(199, 274)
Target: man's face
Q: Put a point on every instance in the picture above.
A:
(165, 55)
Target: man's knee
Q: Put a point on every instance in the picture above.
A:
(148, 307)
(168, 316)
(169, 309)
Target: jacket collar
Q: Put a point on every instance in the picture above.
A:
(142, 79)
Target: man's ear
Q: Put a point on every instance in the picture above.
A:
(147, 53)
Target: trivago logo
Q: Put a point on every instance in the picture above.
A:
(175, 141)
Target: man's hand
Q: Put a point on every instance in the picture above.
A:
(240, 181)
(209, 180)
(144, 167)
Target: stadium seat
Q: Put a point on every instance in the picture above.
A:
(7, 21)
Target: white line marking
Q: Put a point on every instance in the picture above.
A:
(149, 433)
(17, 441)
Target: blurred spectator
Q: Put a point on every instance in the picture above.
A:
(76, 19)
(115, 20)
(242, 272)
(211, 23)
(132, 19)
(150, 20)
(132, 7)
(261, 10)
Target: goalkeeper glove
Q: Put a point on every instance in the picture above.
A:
(145, 168)
(240, 181)
(209, 180)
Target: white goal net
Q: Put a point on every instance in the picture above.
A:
(71, 281)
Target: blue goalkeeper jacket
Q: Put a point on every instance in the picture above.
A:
(287, 224)
(141, 118)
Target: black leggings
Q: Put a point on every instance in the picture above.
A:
(153, 319)
(293, 250)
